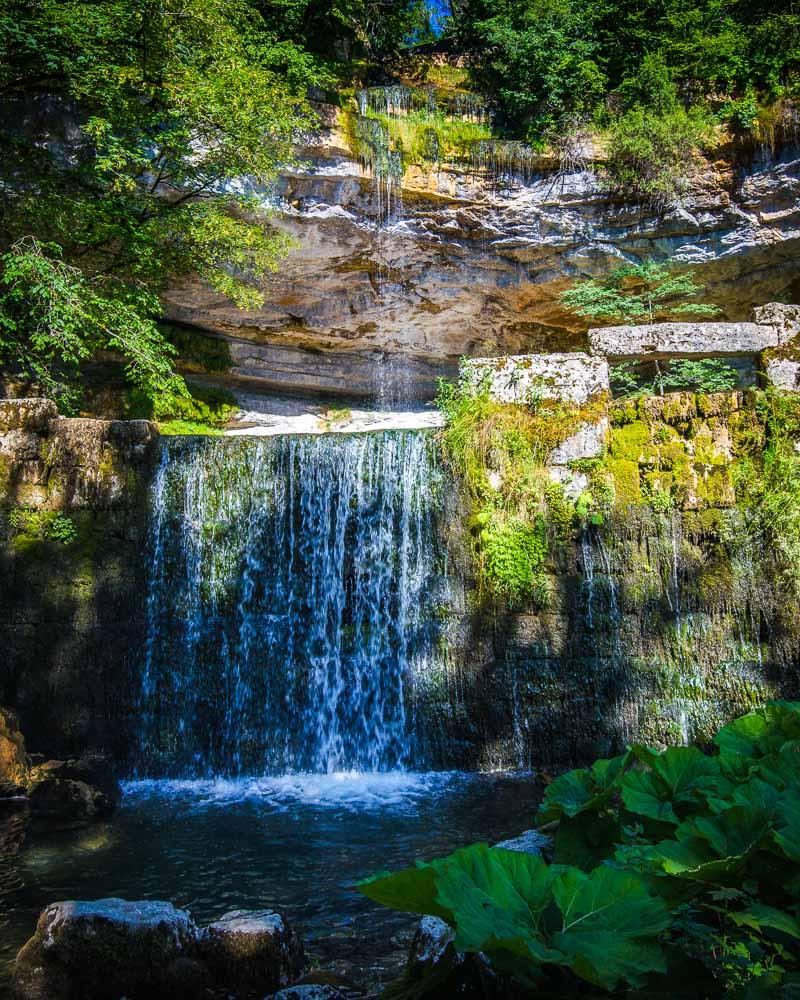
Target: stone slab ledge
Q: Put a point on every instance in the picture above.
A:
(682, 340)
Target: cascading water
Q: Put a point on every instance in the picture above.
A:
(293, 596)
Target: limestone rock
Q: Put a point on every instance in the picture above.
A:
(474, 264)
(252, 951)
(587, 442)
(30, 414)
(74, 792)
(785, 319)
(573, 482)
(666, 340)
(14, 767)
(575, 378)
(783, 374)
(109, 948)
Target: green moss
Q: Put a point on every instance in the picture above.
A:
(625, 474)
(630, 441)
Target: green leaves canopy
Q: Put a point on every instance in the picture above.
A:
(121, 181)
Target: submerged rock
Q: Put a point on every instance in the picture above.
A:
(320, 985)
(252, 951)
(74, 792)
(109, 948)
(528, 842)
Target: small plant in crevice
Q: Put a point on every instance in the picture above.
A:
(36, 525)
(630, 380)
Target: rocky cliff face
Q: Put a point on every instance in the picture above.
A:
(471, 260)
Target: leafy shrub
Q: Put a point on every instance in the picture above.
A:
(651, 154)
(682, 864)
(638, 293)
(708, 375)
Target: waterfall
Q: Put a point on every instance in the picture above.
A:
(293, 592)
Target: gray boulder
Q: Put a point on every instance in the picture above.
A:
(109, 948)
(252, 951)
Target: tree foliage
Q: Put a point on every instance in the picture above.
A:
(645, 292)
(125, 125)
(542, 60)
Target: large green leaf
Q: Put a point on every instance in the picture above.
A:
(412, 890)
(678, 778)
(610, 926)
(787, 835)
(759, 917)
(582, 790)
(761, 732)
(586, 840)
(497, 899)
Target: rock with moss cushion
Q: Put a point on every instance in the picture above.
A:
(252, 951)
(110, 948)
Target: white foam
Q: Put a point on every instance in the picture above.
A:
(346, 789)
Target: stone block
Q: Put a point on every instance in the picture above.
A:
(781, 373)
(785, 319)
(682, 340)
(574, 378)
(587, 442)
(32, 414)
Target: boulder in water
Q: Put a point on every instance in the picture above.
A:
(252, 951)
(109, 948)
(74, 792)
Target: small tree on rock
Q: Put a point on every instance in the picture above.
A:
(637, 293)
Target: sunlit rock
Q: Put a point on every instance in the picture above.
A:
(575, 378)
(14, 766)
(783, 373)
(252, 951)
(682, 340)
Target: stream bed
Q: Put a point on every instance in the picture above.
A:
(295, 843)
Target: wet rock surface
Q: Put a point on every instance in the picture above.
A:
(111, 948)
(107, 948)
(74, 792)
(252, 951)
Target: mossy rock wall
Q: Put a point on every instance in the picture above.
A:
(661, 622)
(72, 531)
